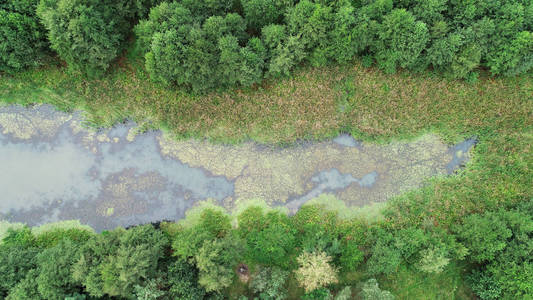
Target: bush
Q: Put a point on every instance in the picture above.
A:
(87, 34)
(23, 42)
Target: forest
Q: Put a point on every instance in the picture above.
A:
(385, 69)
(263, 253)
(204, 45)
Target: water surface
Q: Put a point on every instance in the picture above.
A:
(52, 168)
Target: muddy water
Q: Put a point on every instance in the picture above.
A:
(52, 168)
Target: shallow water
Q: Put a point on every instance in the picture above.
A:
(52, 168)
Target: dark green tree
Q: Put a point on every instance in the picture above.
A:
(400, 41)
(87, 34)
(23, 42)
(55, 279)
(114, 263)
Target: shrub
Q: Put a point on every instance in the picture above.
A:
(87, 34)
(269, 283)
(23, 41)
(315, 271)
(344, 294)
(370, 291)
(6, 227)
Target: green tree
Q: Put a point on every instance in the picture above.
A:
(344, 38)
(318, 294)
(484, 235)
(344, 294)
(55, 270)
(26, 289)
(15, 262)
(385, 257)
(87, 34)
(183, 281)
(252, 62)
(269, 237)
(116, 262)
(260, 13)
(215, 261)
(312, 24)
(23, 42)
(212, 224)
(400, 41)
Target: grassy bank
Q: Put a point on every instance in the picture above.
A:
(315, 103)
(320, 103)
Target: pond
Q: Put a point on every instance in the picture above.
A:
(53, 168)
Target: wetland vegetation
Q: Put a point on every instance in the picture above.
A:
(279, 72)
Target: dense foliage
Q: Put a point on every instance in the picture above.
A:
(88, 35)
(200, 257)
(202, 45)
(23, 40)
(268, 38)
